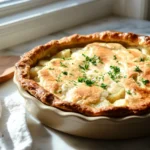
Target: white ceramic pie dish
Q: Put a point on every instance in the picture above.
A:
(92, 127)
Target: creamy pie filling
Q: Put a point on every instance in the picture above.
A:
(97, 75)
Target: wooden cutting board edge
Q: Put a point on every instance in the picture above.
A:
(8, 71)
(8, 75)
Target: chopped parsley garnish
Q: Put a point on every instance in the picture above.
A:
(86, 57)
(65, 72)
(114, 73)
(88, 82)
(129, 92)
(115, 69)
(118, 62)
(51, 68)
(137, 69)
(145, 81)
(112, 76)
(81, 79)
(85, 66)
(63, 65)
(115, 57)
(104, 86)
(94, 60)
(100, 60)
(142, 59)
(59, 91)
(101, 77)
(68, 58)
(58, 78)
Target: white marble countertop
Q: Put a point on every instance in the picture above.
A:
(45, 138)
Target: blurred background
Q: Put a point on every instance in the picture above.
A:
(25, 20)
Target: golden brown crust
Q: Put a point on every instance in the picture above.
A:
(29, 59)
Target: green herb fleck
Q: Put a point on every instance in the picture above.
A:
(81, 79)
(68, 58)
(94, 60)
(63, 65)
(115, 57)
(102, 77)
(104, 86)
(129, 92)
(88, 82)
(115, 69)
(118, 62)
(86, 57)
(145, 81)
(137, 69)
(85, 66)
(59, 91)
(141, 59)
(100, 60)
(65, 73)
(114, 73)
(112, 76)
(51, 68)
(58, 78)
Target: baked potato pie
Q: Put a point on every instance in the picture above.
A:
(101, 74)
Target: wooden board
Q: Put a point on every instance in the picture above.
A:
(7, 67)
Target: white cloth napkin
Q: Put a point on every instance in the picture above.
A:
(14, 133)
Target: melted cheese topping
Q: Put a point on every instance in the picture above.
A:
(97, 75)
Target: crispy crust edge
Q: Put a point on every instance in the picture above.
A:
(30, 58)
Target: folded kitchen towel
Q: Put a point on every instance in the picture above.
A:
(14, 133)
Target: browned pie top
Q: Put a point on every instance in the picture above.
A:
(101, 77)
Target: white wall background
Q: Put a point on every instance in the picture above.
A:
(22, 26)
(131, 8)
